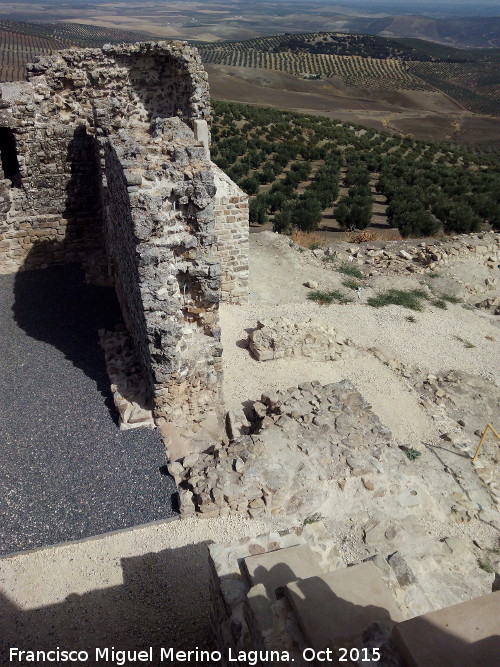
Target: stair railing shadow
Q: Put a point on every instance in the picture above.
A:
(336, 616)
(163, 597)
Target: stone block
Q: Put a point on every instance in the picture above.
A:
(350, 599)
(277, 568)
(402, 570)
(465, 635)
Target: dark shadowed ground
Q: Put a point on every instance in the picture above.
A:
(67, 470)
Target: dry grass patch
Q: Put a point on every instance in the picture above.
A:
(407, 298)
(326, 298)
(308, 240)
(362, 237)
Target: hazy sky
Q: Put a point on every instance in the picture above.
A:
(373, 4)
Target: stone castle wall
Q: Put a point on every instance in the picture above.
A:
(113, 171)
(231, 232)
(50, 214)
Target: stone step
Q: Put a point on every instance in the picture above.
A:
(467, 634)
(276, 569)
(334, 609)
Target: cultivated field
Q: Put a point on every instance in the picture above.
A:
(213, 21)
(363, 61)
(404, 85)
(308, 173)
(18, 49)
(21, 42)
(476, 86)
(387, 74)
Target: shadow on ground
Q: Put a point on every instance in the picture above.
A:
(57, 307)
(68, 472)
(162, 602)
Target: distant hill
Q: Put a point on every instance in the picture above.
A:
(469, 76)
(213, 20)
(473, 31)
(364, 45)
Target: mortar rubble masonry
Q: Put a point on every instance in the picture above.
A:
(112, 148)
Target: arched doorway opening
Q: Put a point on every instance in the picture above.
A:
(8, 156)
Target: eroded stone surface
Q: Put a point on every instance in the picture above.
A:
(268, 568)
(280, 337)
(465, 634)
(280, 458)
(351, 600)
(114, 172)
(128, 384)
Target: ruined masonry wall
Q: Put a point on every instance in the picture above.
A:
(71, 97)
(54, 218)
(115, 173)
(159, 228)
(231, 231)
(121, 250)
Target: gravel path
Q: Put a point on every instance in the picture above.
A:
(67, 471)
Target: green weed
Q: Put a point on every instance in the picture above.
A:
(351, 283)
(314, 518)
(466, 342)
(439, 303)
(350, 270)
(326, 298)
(407, 298)
(486, 564)
(412, 454)
(451, 298)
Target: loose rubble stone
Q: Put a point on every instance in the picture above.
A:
(368, 484)
(402, 570)
(128, 384)
(402, 257)
(281, 462)
(408, 498)
(279, 337)
(265, 619)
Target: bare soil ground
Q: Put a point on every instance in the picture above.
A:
(130, 589)
(277, 276)
(392, 379)
(137, 588)
(426, 115)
